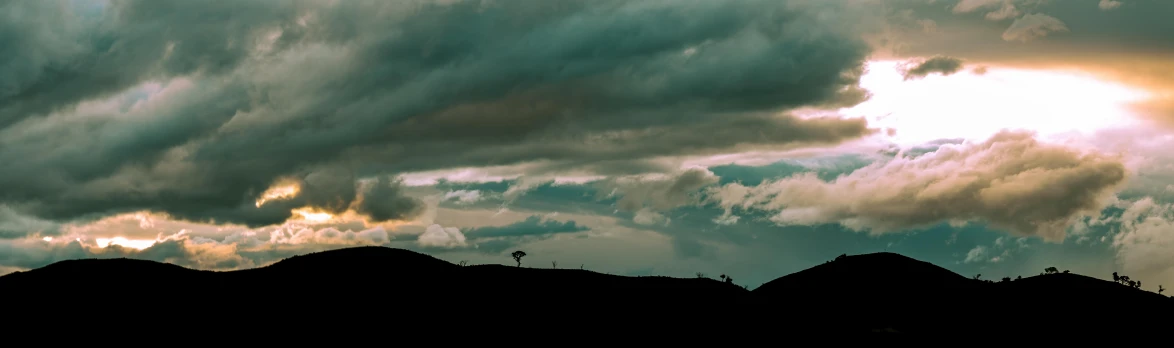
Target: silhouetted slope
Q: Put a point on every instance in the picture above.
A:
(360, 260)
(868, 273)
(386, 271)
(99, 277)
(585, 286)
(870, 291)
(1073, 303)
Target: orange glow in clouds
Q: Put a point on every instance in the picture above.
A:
(282, 190)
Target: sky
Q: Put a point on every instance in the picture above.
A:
(752, 138)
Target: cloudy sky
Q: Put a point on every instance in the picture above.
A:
(748, 137)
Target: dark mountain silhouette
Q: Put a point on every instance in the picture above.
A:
(874, 293)
(882, 290)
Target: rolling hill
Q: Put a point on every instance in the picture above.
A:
(880, 292)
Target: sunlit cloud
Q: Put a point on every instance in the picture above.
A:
(283, 189)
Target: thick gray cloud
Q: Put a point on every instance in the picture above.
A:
(938, 64)
(14, 225)
(659, 193)
(194, 109)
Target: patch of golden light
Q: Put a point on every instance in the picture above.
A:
(312, 215)
(975, 106)
(139, 244)
(281, 190)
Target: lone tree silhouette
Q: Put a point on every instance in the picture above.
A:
(518, 255)
(1160, 289)
(1051, 270)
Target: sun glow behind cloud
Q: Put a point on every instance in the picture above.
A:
(139, 244)
(975, 106)
(312, 215)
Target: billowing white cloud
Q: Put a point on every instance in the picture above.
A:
(443, 237)
(1145, 241)
(1011, 181)
(999, 9)
(464, 196)
(646, 216)
(1109, 4)
(977, 254)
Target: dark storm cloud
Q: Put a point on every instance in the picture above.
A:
(939, 64)
(54, 54)
(14, 225)
(253, 91)
(383, 200)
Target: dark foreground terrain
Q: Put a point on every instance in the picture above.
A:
(875, 294)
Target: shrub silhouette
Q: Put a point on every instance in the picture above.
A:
(1051, 270)
(463, 263)
(700, 275)
(1006, 279)
(518, 255)
(1160, 289)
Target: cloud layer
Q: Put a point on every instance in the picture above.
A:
(1011, 181)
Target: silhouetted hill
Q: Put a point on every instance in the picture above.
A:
(99, 277)
(881, 292)
(872, 274)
